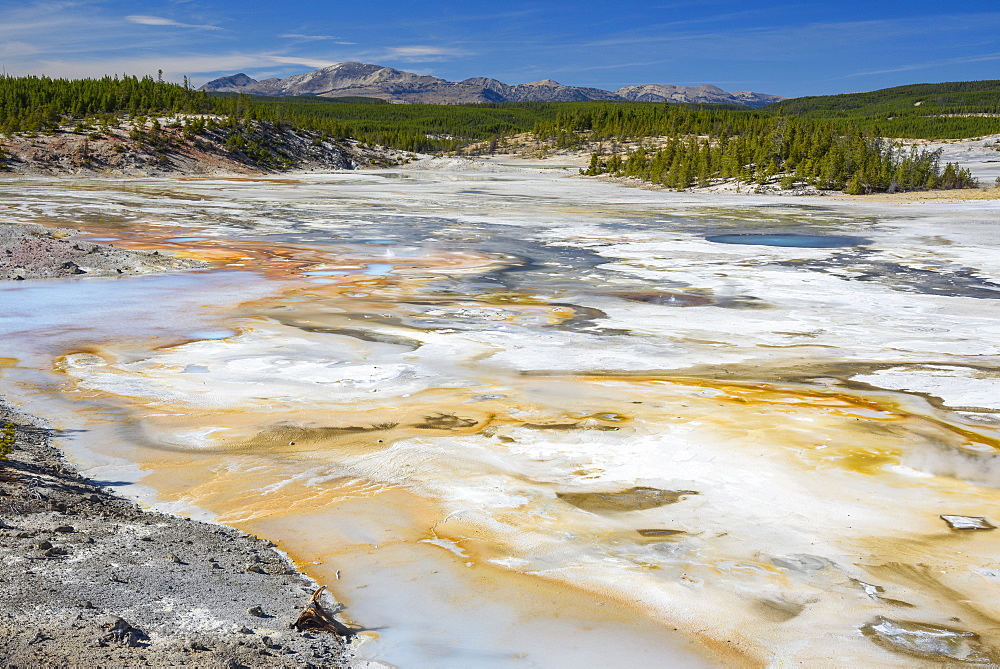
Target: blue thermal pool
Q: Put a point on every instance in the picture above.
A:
(791, 239)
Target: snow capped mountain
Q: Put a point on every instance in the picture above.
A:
(367, 80)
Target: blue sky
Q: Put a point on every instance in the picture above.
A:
(785, 48)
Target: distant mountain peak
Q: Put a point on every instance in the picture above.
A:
(233, 83)
(378, 81)
(705, 93)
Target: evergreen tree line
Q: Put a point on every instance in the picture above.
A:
(611, 120)
(41, 104)
(800, 151)
(695, 143)
(960, 97)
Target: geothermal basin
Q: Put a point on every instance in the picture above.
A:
(515, 418)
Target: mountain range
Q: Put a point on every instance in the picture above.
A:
(377, 81)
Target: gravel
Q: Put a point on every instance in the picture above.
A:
(30, 251)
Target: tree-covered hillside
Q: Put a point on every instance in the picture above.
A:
(41, 104)
(909, 107)
(828, 142)
(36, 104)
(956, 97)
(33, 104)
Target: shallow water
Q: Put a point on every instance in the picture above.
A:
(790, 239)
(532, 420)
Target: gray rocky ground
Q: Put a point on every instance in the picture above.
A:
(90, 580)
(34, 252)
(134, 150)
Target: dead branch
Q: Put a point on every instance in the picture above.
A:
(315, 618)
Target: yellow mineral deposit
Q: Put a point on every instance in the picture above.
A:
(776, 501)
(489, 470)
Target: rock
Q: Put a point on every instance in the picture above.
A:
(64, 529)
(257, 612)
(173, 558)
(67, 599)
(120, 632)
(31, 255)
(931, 642)
(968, 523)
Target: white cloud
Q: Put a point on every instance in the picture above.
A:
(926, 65)
(18, 49)
(44, 22)
(144, 20)
(312, 38)
(174, 67)
(296, 60)
(422, 53)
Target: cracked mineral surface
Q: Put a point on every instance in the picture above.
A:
(512, 416)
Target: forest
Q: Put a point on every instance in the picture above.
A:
(41, 104)
(830, 142)
(956, 97)
(800, 155)
(696, 147)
